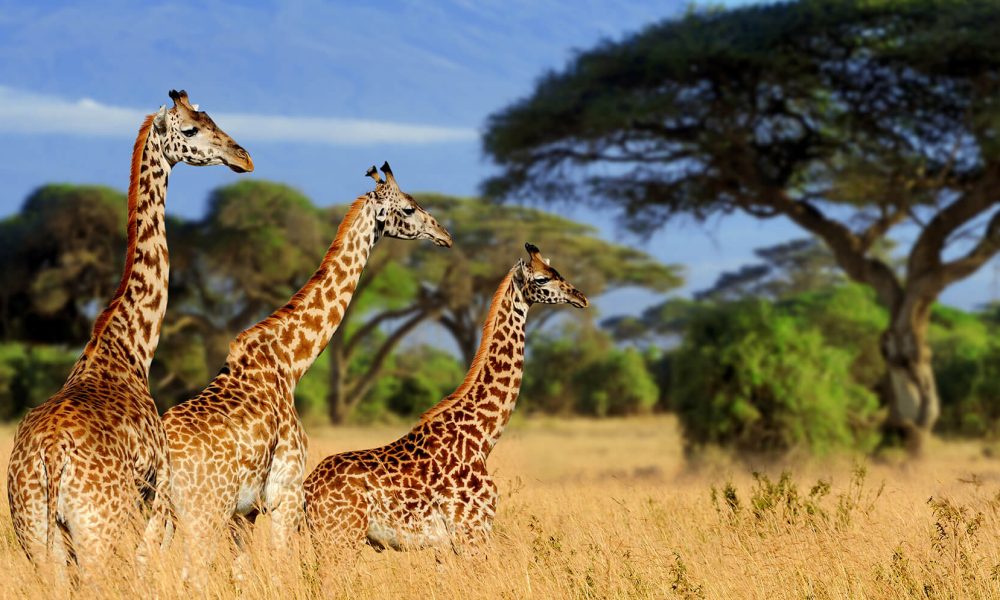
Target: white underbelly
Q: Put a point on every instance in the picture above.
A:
(248, 498)
(427, 532)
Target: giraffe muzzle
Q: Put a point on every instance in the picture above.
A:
(441, 237)
(242, 163)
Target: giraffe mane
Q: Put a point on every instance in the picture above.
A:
(297, 298)
(133, 225)
(489, 327)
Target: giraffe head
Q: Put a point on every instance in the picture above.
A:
(399, 214)
(192, 137)
(543, 284)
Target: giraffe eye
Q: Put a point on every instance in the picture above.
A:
(189, 132)
(541, 280)
(409, 210)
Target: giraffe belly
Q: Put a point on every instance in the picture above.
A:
(409, 532)
(248, 497)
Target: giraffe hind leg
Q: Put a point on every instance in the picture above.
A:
(41, 535)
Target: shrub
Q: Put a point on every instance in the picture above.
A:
(29, 374)
(967, 367)
(753, 379)
(582, 372)
(620, 384)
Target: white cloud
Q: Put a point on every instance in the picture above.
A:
(31, 113)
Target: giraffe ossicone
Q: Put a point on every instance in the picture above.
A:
(431, 487)
(87, 458)
(238, 446)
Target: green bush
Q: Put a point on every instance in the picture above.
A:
(754, 378)
(967, 367)
(850, 318)
(424, 375)
(620, 384)
(581, 372)
(29, 374)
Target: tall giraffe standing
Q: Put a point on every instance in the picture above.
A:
(431, 487)
(238, 446)
(85, 459)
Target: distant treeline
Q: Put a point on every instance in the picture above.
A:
(777, 355)
(61, 258)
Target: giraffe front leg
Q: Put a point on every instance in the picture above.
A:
(286, 509)
(286, 506)
(241, 533)
(159, 530)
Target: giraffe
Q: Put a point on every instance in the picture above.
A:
(85, 459)
(431, 486)
(239, 447)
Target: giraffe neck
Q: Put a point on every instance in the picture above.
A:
(486, 398)
(126, 333)
(293, 336)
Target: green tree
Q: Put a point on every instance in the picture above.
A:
(785, 269)
(60, 257)
(257, 244)
(847, 118)
(408, 284)
(29, 374)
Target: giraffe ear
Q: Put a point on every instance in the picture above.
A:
(380, 213)
(160, 119)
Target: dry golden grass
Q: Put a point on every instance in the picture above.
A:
(611, 510)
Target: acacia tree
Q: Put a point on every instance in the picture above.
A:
(59, 256)
(847, 118)
(407, 284)
(257, 244)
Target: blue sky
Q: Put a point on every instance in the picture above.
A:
(317, 92)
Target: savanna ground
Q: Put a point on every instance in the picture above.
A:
(610, 509)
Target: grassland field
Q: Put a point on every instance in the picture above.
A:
(611, 509)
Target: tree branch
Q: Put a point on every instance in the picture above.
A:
(979, 255)
(926, 253)
(365, 381)
(376, 321)
(848, 249)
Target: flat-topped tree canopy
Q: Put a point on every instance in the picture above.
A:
(849, 118)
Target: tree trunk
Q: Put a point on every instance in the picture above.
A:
(910, 387)
(338, 405)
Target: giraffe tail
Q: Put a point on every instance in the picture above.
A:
(54, 459)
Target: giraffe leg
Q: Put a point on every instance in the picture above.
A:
(159, 529)
(103, 530)
(200, 536)
(286, 510)
(285, 505)
(241, 533)
(29, 511)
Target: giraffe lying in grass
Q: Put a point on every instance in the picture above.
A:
(431, 487)
(239, 447)
(85, 460)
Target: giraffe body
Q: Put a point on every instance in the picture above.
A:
(86, 460)
(432, 487)
(239, 447)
